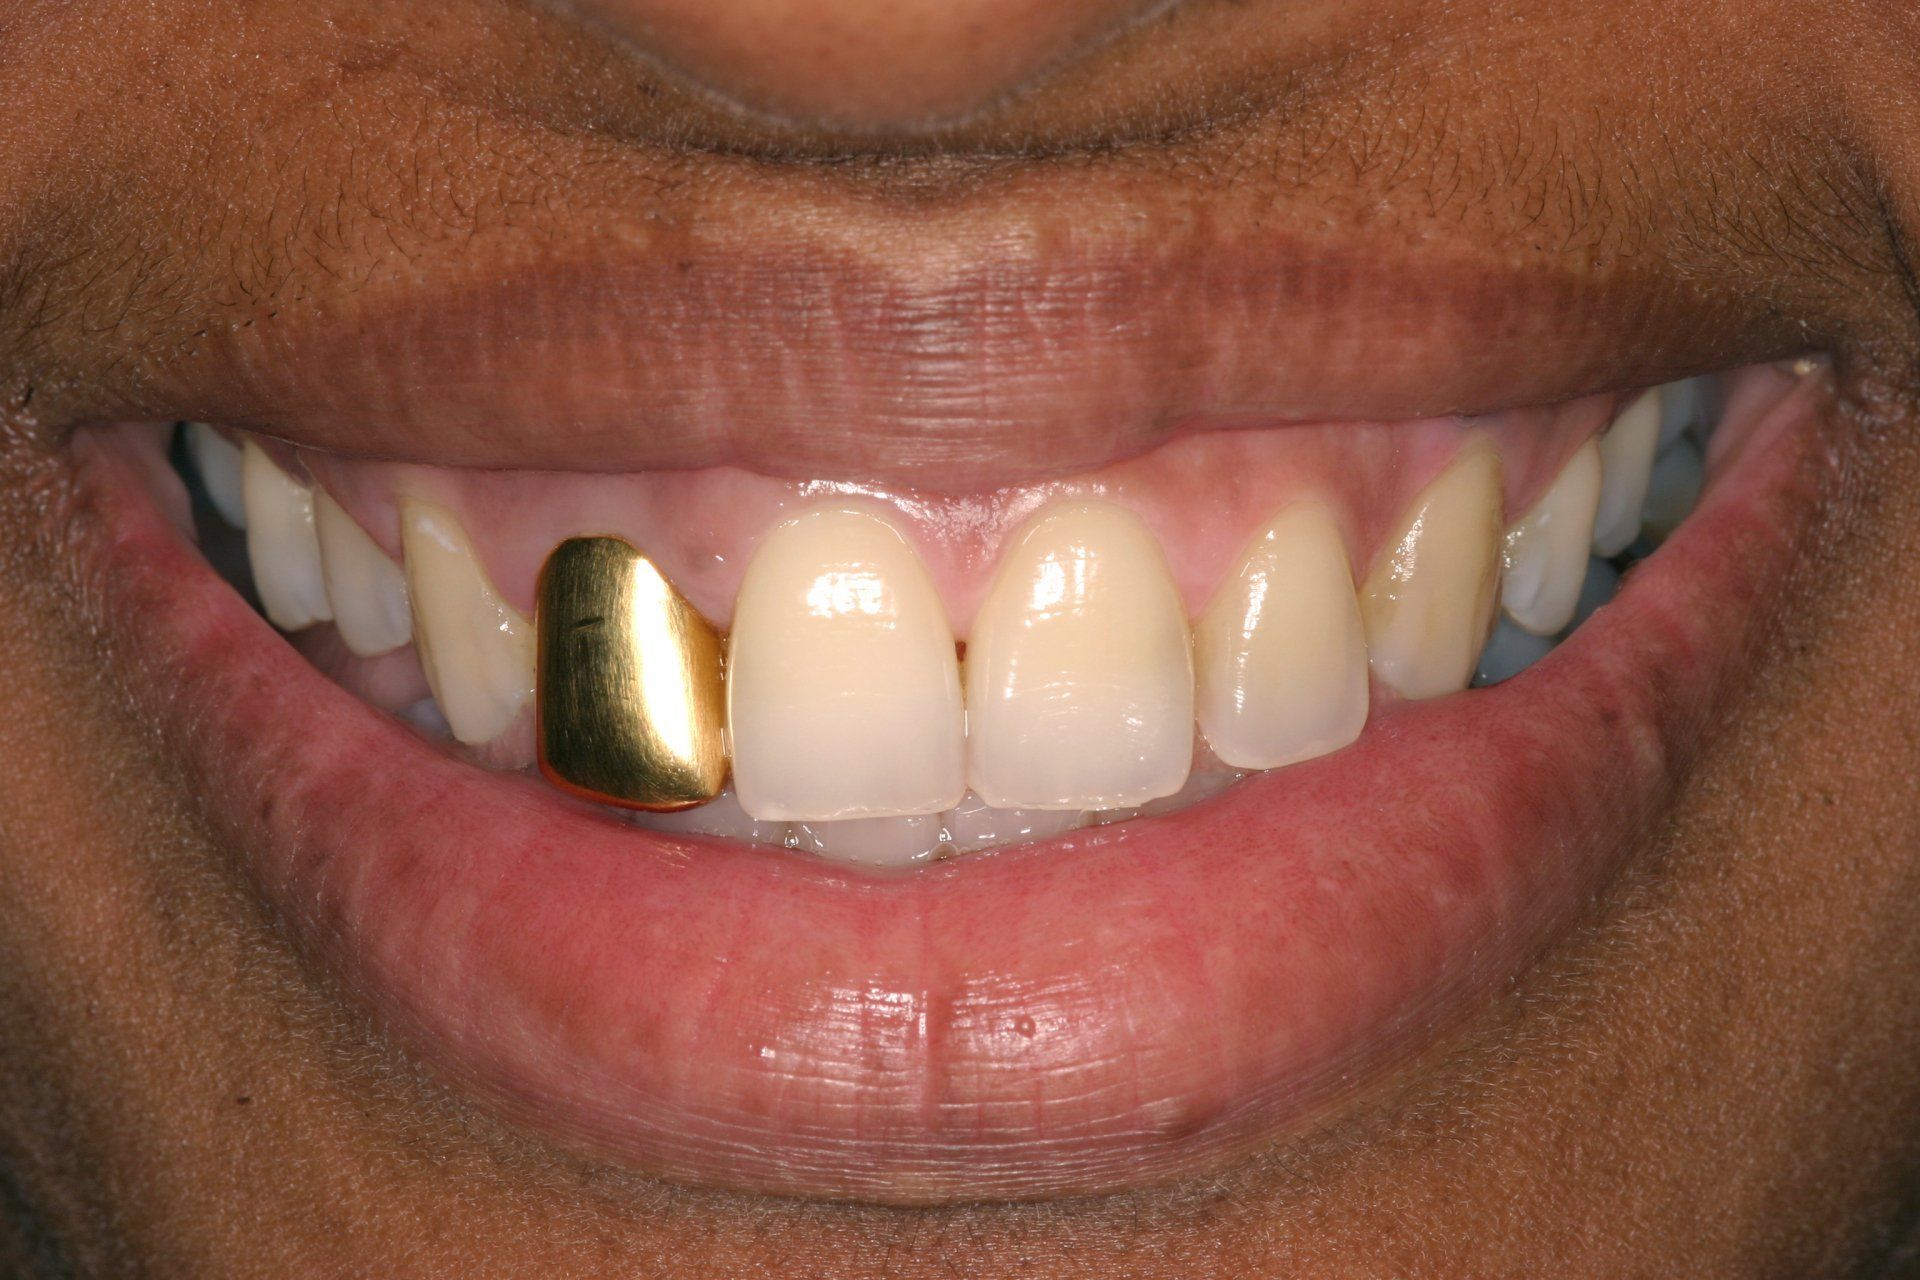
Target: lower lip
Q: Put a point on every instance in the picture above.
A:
(1124, 1005)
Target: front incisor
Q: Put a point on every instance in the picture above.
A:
(632, 702)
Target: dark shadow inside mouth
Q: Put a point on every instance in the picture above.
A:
(223, 546)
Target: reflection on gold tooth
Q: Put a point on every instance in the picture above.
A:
(631, 701)
(1429, 602)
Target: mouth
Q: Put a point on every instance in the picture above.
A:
(1050, 835)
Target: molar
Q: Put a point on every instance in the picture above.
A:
(282, 545)
(1674, 491)
(843, 688)
(1280, 655)
(1546, 549)
(1080, 668)
(476, 650)
(366, 590)
(218, 461)
(1429, 601)
(1626, 468)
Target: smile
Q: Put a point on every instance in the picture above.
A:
(863, 838)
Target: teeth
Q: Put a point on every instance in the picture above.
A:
(1429, 601)
(282, 546)
(1079, 668)
(973, 824)
(1626, 463)
(1599, 586)
(873, 842)
(218, 462)
(366, 590)
(722, 816)
(1509, 652)
(477, 650)
(1682, 407)
(1280, 655)
(632, 706)
(1546, 551)
(843, 690)
(1674, 490)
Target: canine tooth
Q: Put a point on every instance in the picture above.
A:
(282, 546)
(974, 824)
(1546, 550)
(1429, 601)
(1626, 467)
(843, 691)
(1678, 475)
(873, 842)
(632, 703)
(1280, 655)
(218, 461)
(476, 650)
(1080, 668)
(366, 590)
(1509, 652)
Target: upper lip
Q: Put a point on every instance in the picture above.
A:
(1030, 321)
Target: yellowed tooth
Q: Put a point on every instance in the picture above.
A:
(1280, 655)
(632, 703)
(1429, 601)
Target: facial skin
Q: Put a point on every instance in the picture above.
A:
(1711, 1076)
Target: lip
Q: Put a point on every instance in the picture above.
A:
(934, 372)
(1120, 1006)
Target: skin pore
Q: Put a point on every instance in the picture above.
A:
(1710, 1076)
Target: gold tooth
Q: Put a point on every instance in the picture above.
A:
(632, 701)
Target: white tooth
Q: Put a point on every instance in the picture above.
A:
(1510, 652)
(1546, 550)
(476, 650)
(1080, 668)
(974, 824)
(1626, 466)
(1674, 490)
(1429, 601)
(1280, 655)
(721, 816)
(1682, 406)
(218, 462)
(282, 546)
(366, 589)
(843, 691)
(873, 842)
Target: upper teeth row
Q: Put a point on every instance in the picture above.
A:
(1083, 678)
